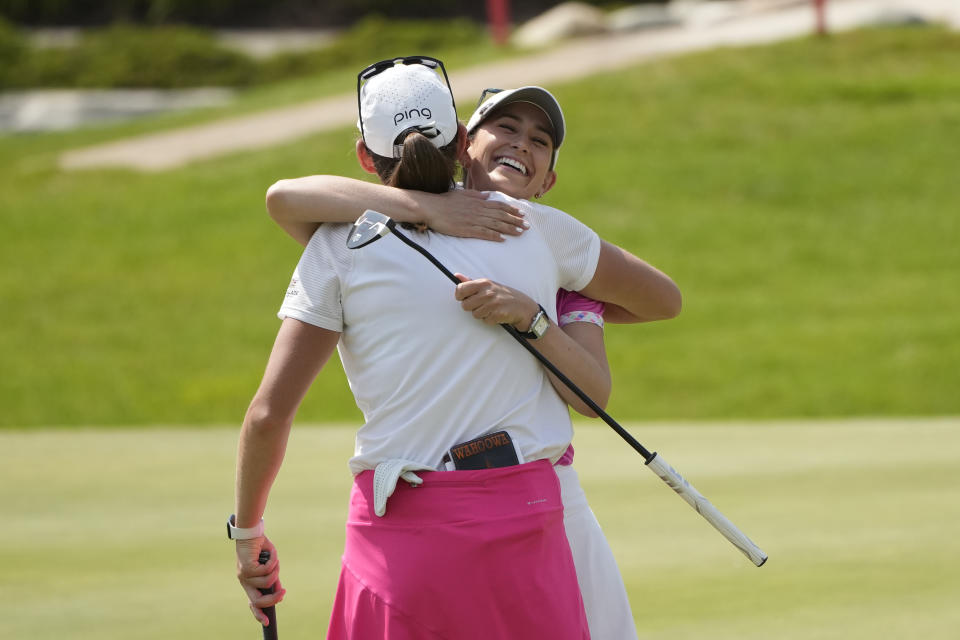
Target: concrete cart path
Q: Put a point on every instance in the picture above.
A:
(749, 22)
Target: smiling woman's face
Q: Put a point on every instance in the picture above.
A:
(511, 152)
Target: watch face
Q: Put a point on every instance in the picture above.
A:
(540, 325)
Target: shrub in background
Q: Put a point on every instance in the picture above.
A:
(178, 56)
(374, 38)
(128, 56)
(13, 48)
(259, 14)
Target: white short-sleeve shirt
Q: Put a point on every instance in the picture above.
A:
(425, 373)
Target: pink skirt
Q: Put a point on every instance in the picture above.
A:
(467, 555)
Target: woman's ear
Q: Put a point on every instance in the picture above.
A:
(463, 143)
(548, 182)
(364, 158)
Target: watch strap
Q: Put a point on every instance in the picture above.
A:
(238, 533)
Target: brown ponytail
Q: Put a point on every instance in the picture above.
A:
(421, 166)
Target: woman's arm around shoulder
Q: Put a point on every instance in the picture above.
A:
(636, 290)
(300, 205)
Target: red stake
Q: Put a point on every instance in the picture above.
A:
(820, 7)
(498, 17)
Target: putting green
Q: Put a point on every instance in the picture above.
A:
(119, 533)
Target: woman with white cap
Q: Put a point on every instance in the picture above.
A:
(469, 553)
(513, 150)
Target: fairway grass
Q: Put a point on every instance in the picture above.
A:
(118, 533)
(802, 195)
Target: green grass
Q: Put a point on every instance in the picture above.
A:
(118, 533)
(803, 196)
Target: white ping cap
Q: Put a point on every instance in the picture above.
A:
(404, 97)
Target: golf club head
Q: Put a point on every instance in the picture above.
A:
(369, 227)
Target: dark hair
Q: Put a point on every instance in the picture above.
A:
(421, 165)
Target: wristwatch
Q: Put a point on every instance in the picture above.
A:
(236, 533)
(538, 326)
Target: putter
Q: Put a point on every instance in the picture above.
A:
(373, 225)
(269, 631)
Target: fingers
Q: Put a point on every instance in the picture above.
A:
(262, 582)
(248, 560)
(486, 300)
(506, 220)
(260, 616)
(494, 225)
(475, 297)
(485, 195)
(253, 583)
(469, 288)
(490, 219)
(254, 576)
(514, 214)
(485, 233)
(494, 303)
(259, 602)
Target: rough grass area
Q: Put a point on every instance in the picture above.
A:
(119, 534)
(803, 195)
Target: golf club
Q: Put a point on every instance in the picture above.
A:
(269, 631)
(373, 225)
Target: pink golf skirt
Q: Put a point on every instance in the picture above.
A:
(467, 555)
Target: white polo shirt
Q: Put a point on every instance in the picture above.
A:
(425, 373)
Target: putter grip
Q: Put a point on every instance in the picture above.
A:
(705, 508)
(269, 631)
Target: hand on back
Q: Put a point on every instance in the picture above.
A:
(495, 303)
(467, 213)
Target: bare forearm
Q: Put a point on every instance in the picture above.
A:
(300, 205)
(582, 359)
(259, 456)
(642, 292)
(298, 355)
(615, 314)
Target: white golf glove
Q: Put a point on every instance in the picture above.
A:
(385, 480)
